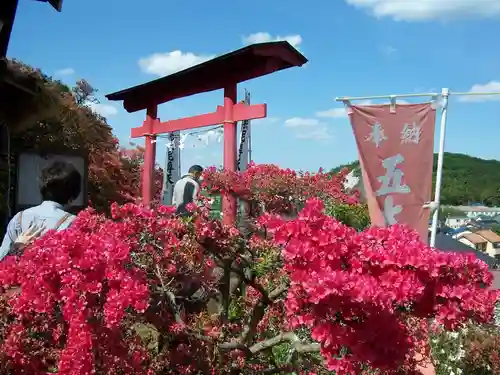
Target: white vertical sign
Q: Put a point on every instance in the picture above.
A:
(172, 170)
(245, 139)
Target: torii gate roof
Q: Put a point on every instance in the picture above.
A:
(247, 63)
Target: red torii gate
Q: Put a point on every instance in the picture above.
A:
(223, 72)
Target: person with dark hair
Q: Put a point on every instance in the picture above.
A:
(187, 189)
(60, 185)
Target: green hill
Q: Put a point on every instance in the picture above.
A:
(466, 179)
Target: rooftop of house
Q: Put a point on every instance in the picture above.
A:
(459, 230)
(485, 224)
(488, 235)
(484, 218)
(447, 230)
(474, 238)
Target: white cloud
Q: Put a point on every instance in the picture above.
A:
(105, 110)
(341, 112)
(425, 10)
(317, 134)
(387, 50)
(300, 122)
(333, 113)
(266, 120)
(65, 72)
(263, 37)
(162, 64)
(493, 86)
(308, 128)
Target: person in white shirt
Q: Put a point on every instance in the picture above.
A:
(60, 184)
(186, 190)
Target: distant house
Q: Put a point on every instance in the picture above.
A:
(483, 222)
(473, 240)
(483, 240)
(493, 247)
(456, 232)
(456, 222)
(447, 230)
(475, 211)
(448, 244)
(483, 218)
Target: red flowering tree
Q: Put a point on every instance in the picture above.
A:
(115, 176)
(145, 292)
(268, 188)
(63, 121)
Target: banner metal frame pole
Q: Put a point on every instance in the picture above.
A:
(432, 94)
(439, 170)
(351, 98)
(444, 95)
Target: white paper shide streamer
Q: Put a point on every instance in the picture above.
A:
(177, 141)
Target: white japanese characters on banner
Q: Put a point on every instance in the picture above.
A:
(410, 134)
(377, 135)
(391, 183)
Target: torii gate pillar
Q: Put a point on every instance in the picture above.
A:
(148, 172)
(229, 204)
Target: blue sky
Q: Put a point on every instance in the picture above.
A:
(354, 47)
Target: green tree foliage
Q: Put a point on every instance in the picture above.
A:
(355, 216)
(466, 179)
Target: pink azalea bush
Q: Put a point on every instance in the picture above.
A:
(355, 291)
(145, 292)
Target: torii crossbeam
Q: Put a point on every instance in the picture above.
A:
(223, 72)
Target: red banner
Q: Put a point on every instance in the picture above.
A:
(396, 155)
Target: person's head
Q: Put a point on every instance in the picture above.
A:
(196, 171)
(60, 182)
